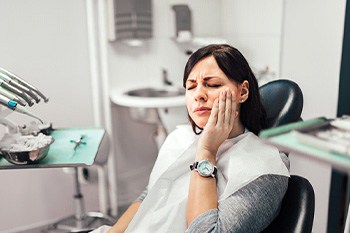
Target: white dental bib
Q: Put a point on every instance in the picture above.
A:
(240, 160)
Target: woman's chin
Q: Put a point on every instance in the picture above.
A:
(200, 121)
(201, 124)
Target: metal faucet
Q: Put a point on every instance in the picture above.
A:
(166, 81)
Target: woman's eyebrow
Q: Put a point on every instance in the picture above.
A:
(190, 80)
(211, 77)
(205, 79)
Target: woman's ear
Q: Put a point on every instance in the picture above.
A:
(244, 91)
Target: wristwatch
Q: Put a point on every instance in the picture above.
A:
(204, 168)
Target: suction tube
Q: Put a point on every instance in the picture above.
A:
(24, 83)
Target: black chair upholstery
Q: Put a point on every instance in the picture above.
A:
(297, 209)
(283, 102)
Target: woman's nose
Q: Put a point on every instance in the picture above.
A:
(200, 94)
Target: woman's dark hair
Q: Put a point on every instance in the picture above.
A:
(236, 68)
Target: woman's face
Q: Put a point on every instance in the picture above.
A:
(203, 86)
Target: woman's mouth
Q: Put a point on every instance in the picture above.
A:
(202, 110)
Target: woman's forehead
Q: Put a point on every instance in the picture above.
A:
(206, 68)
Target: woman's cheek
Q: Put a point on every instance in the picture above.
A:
(214, 94)
(188, 102)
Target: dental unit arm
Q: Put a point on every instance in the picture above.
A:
(23, 85)
(15, 93)
(5, 85)
(12, 96)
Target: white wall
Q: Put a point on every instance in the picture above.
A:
(312, 52)
(254, 27)
(45, 43)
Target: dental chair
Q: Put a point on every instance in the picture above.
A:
(283, 102)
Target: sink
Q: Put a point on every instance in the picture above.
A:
(149, 97)
(156, 92)
(153, 104)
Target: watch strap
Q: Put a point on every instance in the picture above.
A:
(193, 166)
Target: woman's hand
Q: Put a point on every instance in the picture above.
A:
(220, 122)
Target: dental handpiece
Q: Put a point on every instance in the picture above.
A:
(12, 96)
(20, 93)
(19, 86)
(24, 83)
(15, 107)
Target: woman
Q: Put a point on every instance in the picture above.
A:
(235, 182)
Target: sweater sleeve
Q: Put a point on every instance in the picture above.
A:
(250, 209)
(142, 196)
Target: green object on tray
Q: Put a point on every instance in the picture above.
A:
(62, 153)
(289, 127)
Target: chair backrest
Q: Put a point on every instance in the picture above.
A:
(297, 209)
(283, 102)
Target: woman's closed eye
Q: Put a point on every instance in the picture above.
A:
(190, 87)
(214, 85)
(206, 85)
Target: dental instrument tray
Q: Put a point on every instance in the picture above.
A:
(70, 147)
(321, 139)
(332, 135)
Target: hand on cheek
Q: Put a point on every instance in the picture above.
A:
(220, 122)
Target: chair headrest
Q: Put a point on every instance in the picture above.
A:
(283, 102)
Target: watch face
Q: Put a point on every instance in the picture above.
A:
(205, 168)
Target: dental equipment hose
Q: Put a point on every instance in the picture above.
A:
(12, 96)
(19, 86)
(20, 81)
(14, 90)
(15, 107)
